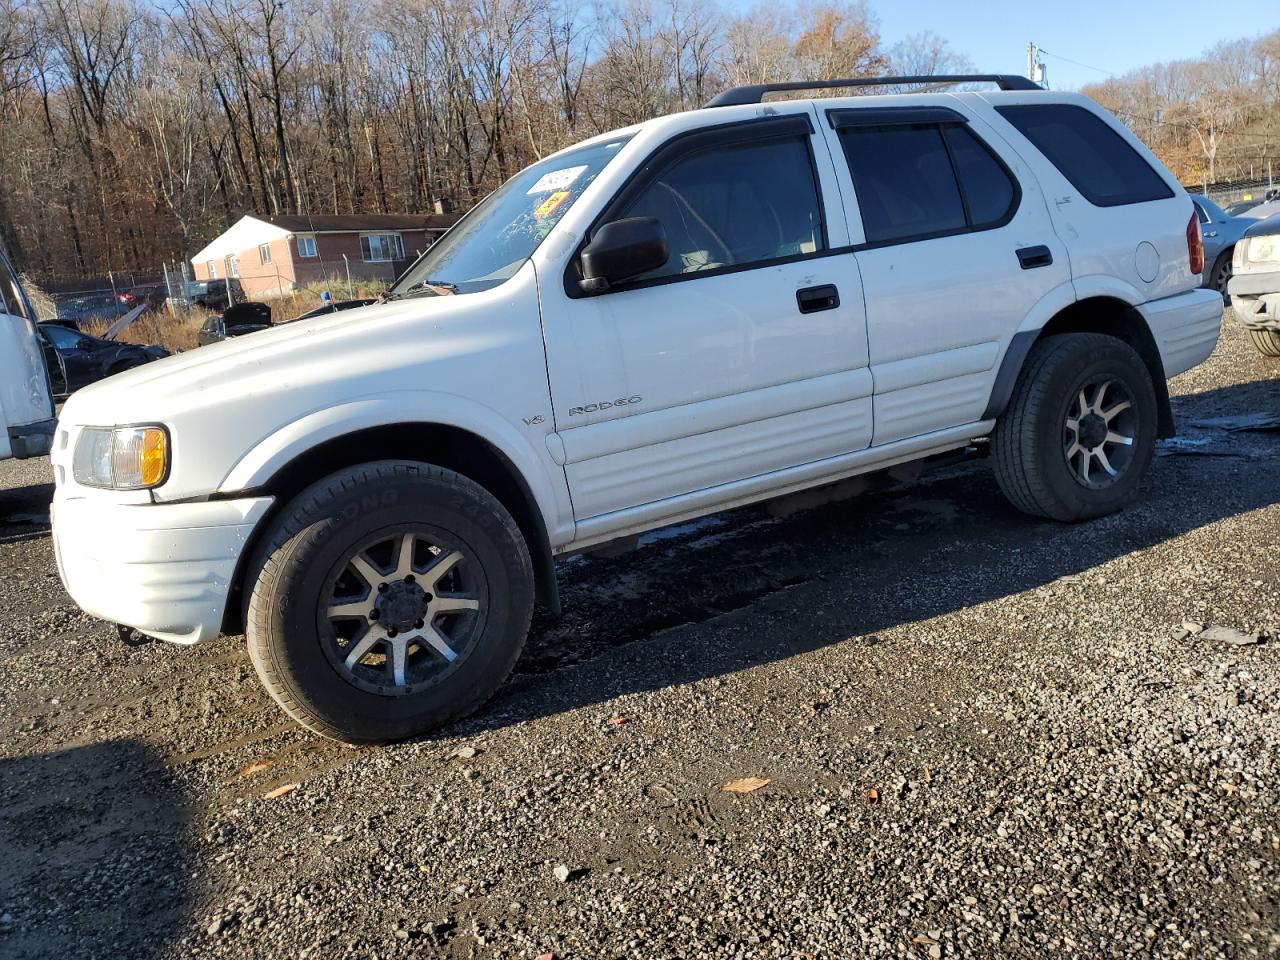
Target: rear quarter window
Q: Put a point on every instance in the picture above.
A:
(1097, 161)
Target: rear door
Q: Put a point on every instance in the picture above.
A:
(1123, 216)
(957, 249)
(744, 355)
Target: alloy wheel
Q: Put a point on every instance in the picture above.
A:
(1099, 432)
(401, 612)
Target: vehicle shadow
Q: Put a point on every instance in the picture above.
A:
(944, 543)
(24, 512)
(94, 853)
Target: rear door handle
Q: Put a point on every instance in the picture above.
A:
(813, 299)
(1032, 257)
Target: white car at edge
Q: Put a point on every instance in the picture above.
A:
(26, 402)
(698, 312)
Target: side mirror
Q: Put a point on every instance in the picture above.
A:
(621, 250)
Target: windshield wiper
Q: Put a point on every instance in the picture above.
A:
(430, 288)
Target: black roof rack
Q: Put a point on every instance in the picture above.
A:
(754, 93)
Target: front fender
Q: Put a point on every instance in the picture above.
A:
(545, 480)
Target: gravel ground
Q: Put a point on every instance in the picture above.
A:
(983, 735)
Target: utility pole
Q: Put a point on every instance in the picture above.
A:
(1035, 65)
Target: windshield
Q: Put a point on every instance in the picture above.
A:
(492, 241)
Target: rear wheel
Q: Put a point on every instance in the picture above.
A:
(1079, 432)
(1267, 342)
(390, 598)
(1221, 273)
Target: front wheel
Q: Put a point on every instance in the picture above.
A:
(1267, 342)
(1080, 429)
(390, 598)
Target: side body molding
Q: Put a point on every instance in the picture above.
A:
(544, 479)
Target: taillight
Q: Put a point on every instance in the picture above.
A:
(1195, 245)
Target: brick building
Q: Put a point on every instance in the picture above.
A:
(272, 255)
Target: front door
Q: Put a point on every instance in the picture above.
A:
(743, 355)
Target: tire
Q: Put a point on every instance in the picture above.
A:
(122, 366)
(1041, 464)
(1221, 273)
(1267, 342)
(306, 643)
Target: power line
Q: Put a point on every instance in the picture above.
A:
(1274, 141)
(1109, 73)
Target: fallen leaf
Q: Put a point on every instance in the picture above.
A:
(546, 956)
(618, 720)
(873, 796)
(279, 792)
(258, 767)
(923, 940)
(745, 785)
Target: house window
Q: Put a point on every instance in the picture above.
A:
(213, 269)
(233, 266)
(379, 247)
(264, 252)
(307, 245)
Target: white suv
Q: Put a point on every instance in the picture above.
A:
(694, 313)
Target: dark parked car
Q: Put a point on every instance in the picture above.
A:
(153, 295)
(235, 322)
(85, 308)
(1240, 206)
(334, 306)
(76, 359)
(252, 317)
(211, 294)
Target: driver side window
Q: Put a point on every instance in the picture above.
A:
(734, 205)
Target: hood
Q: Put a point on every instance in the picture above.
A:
(118, 327)
(254, 365)
(1264, 227)
(221, 401)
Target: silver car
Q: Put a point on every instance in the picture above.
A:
(1220, 233)
(1255, 286)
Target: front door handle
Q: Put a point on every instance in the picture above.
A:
(1032, 257)
(813, 299)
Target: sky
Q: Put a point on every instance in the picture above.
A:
(1107, 35)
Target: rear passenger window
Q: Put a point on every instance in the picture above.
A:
(986, 186)
(925, 180)
(1096, 159)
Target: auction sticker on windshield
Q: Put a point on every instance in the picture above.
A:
(556, 180)
(549, 206)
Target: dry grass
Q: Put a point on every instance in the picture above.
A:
(41, 302)
(173, 331)
(176, 329)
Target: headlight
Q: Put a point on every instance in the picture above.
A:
(122, 458)
(1264, 249)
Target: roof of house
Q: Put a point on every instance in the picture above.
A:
(326, 223)
(252, 230)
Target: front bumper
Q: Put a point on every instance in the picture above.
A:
(164, 569)
(32, 439)
(1255, 299)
